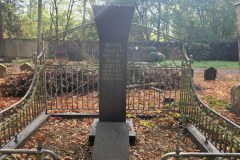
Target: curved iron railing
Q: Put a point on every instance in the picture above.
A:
(38, 154)
(16, 117)
(222, 132)
(197, 154)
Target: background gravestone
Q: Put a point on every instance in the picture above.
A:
(210, 74)
(235, 99)
(3, 71)
(26, 67)
(113, 26)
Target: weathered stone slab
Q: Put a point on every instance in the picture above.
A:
(3, 71)
(111, 141)
(210, 74)
(26, 67)
(235, 99)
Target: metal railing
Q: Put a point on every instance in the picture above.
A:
(179, 155)
(38, 154)
(16, 117)
(149, 88)
(222, 132)
(199, 155)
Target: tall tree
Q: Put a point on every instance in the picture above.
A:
(56, 22)
(39, 46)
(1, 31)
(204, 21)
(68, 16)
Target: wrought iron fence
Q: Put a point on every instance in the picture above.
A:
(72, 87)
(16, 117)
(38, 154)
(72, 71)
(223, 133)
(199, 155)
(149, 88)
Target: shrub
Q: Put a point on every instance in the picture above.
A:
(155, 57)
(199, 51)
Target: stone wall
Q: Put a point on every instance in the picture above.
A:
(22, 48)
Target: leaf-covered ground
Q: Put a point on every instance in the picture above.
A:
(12, 71)
(155, 137)
(6, 101)
(217, 93)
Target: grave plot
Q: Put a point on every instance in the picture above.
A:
(155, 137)
(110, 71)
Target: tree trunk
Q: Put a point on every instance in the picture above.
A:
(39, 45)
(84, 18)
(158, 21)
(2, 48)
(69, 13)
(56, 18)
(137, 7)
(52, 19)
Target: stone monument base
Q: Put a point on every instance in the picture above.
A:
(132, 133)
(111, 141)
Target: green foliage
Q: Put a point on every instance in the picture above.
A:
(204, 21)
(155, 57)
(193, 20)
(158, 111)
(199, 51)
(170, 105)
(184, 119)
(147, 123)
(213, 102)
(11, 20)
(129, 115)
(220, 50)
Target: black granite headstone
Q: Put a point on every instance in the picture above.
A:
(113, 26)
(210, 74)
